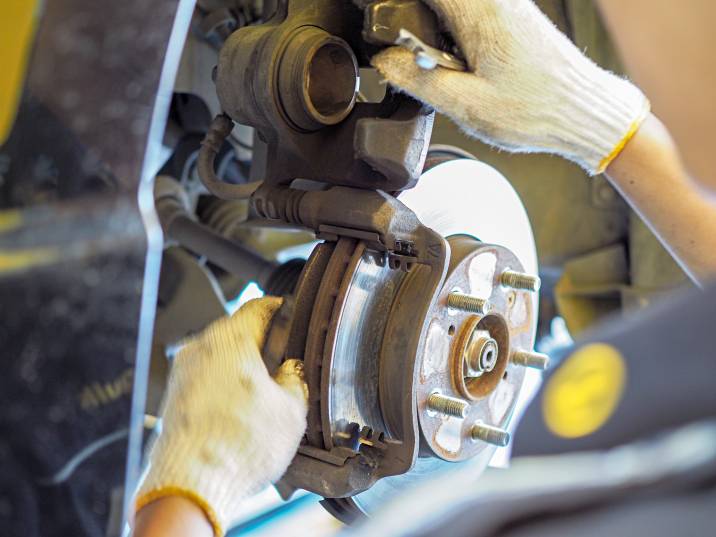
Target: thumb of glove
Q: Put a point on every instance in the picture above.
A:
(291, 378)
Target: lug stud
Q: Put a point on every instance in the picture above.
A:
(469, 303)
(521, 281)
(534, 360)
(490, 435)
(450, 406)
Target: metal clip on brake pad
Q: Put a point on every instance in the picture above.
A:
(410, 24)
(428, 57)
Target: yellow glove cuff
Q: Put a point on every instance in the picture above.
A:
(604, 164)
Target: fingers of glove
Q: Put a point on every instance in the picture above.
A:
(290, 377)
(470, 23)
(232, 342)
(490, 31)
(441, 88)
(254, 318)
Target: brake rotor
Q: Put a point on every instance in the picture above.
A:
(476, 209)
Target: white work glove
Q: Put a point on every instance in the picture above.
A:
(527, 89)
(228, 428)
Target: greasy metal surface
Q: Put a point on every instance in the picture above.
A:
(475, 270)
(255, 89)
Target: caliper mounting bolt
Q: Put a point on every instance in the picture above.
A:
(535, 360)
(490, 435)
(450, 406)
(520, 280)
(469, 303)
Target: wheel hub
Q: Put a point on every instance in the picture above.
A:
(467, 355)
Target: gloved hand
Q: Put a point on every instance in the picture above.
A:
(228, 428)
(528, 88)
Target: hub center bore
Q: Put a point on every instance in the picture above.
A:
(481, 354)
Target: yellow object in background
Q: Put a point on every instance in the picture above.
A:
(17, 29)
(585, 391)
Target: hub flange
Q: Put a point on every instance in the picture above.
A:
(467, 355)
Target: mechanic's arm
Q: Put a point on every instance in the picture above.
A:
(529, 89)
(649, 173)
(228, 429)
(668, 49)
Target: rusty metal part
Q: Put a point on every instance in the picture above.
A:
(287, 335)
(476, 387)
(475, 269)
(354, 457)
(384, 20)
(317, 79)
(399, 244)
(370, 332)
(436, 205)
(379, 219)
(264, 81)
